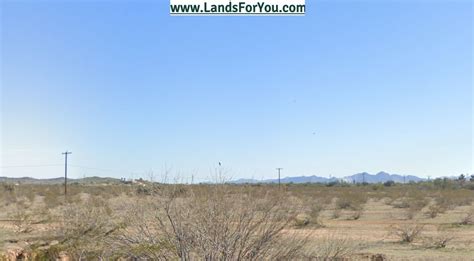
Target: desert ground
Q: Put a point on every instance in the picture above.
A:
(152, 221)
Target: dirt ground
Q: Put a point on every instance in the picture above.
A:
(365, 236)
(374, 227)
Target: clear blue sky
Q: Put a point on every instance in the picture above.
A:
(353, 86)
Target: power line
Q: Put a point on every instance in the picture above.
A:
(122, 172)
(93, 168)
(31, 166)
(69, 165)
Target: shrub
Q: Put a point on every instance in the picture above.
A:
(53, 197)
(468, 218)
(314, 214)
(302, 220)
(9, 188)
(440, 240)
(343, 203)
(213, 224)
(22, 220)
(8, 194)
(143, 190)
(83, 230)
(356, 214)
(470, 186)
(333, 247)
(434, 210)
(411, 212)
(412, 205)
(400, 203)
(407, 233)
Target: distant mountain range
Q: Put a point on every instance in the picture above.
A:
(356, 178)
(87, 180)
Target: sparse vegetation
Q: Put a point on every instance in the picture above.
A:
(468, 218)
(336, 247)
(22, 220)
(336, 213)
(434, 210)
(156, 221)
(356, 214)
(407, 233)
(315, 213)
(439, 240)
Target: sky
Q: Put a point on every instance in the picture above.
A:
(352, 86)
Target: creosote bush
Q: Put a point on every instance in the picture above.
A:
(434, 210)
(22, 220)
(343, 203)
(336, 213)
(439, 240)
(84, 230)
(151, 221)
(356, 214)
(315, 213)
(407, 233)
(468, 218)
(213, 224)
(336, 247)
(302, 220)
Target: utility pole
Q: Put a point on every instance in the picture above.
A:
(279, 182)
(363, 178)
(65, 171)
(404, 179)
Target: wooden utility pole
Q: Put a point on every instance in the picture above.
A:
(279, 177)
(65, 171)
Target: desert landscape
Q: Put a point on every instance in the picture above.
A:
(110, 219)
(224, 130)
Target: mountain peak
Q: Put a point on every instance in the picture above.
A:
(380, 177)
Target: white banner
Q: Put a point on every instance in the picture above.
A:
(233, 8)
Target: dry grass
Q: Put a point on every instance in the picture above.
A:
(336, 247)
(440, 239)
(234, 222)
